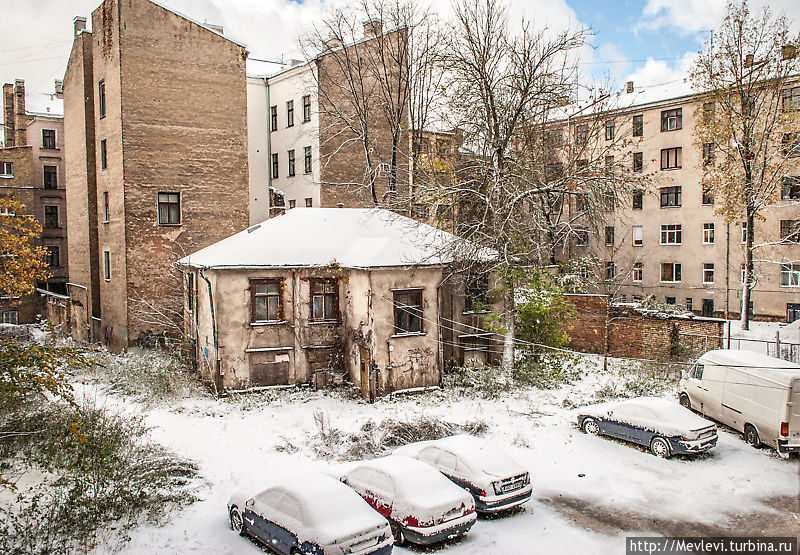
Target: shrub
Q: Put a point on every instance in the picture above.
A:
(546, 371)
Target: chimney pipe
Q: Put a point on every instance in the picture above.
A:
(59, 88)
(79, 24)
(629, 87)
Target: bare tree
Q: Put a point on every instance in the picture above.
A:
(750, 118)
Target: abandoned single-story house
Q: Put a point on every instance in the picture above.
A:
(327, 295)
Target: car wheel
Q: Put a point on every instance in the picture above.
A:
(237, 524)
(751, 436)
(591, 427)
(660, 447)
(685, 402)
(397, 533)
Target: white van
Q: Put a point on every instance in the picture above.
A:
(755, 394)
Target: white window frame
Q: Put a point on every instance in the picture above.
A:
(637, 274)
(637, 236)
(6, 169)
(675, 266)
(708, 272)
(107, 265)
(671, 234)
(708, 233)
(791, 271)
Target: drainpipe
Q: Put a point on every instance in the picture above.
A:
(217, 363)
(269, 154)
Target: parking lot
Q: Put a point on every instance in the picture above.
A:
(588, 492)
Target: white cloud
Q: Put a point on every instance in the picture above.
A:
(692, 16)
(659, 72)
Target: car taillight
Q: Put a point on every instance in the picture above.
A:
(785, 429)
(410, 521)
(483, 493)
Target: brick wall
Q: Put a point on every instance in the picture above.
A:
(623, 331)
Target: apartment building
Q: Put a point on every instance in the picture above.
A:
(302, 151)
(32, 172)
(157, 166)
(667, 240)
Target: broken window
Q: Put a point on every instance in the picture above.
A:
(266, 300)
(324, 299)
(408, 311)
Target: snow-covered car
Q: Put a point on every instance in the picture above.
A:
(422, 505)
(311, 514)
(662, 425)
(494, 480)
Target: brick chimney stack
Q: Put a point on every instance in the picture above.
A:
(14, 120)
(79, 24)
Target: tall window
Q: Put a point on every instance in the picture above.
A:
(290, 113)
(581, 133)
(790, 275)
(307, 108)
(790, 231)
(290, 173)
(671, 119)
(744, 232)
(671, 234)
(609, 164)
(275, 166)
(791, 188)
(51, 217)
(408, 311)
(52, 256)
(324, 299)
(106, 207)
(708, 234)
(50, 175)
(169, 208)
(638, 125)
(708, 195)
(273, 118)
(708, 153)
(609, 235)
(638, 161)
(190, 292)
(307, 159)
(610, 130)
(107, 265)
(638, 271)
(101, 98)
(6, 169)
(708, 273)
(670, 158)
(670, 272)
(266, 303)
(638, 199)
(611, 271)
(689, 304)
(103, 154)
(637, 236)
(670, 196)
(309, 202)
(48, 138)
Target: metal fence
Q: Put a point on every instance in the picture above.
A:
(776, 348)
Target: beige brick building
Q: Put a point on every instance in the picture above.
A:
(32, 172)
(156, 142)
(667, 241)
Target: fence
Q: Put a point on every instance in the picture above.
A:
(778, 349)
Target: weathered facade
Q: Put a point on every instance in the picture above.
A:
(32, 172)
(329, 295)
(158, 167)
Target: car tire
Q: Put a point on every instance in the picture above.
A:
(591, 427)
(237, 523)
(660, 447)
(685, 401)
(397, 533)
(751, 436)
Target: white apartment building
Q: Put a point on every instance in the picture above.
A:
(668, 241)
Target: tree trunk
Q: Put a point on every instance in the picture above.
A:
(507, 363)
(748, 268)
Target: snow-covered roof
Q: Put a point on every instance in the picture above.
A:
(349, 237)
(44, 104)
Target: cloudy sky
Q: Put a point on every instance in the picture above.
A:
(649, 41)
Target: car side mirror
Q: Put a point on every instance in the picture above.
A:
(249, 503)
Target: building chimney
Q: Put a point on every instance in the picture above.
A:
(788, 51)
(373, 27)
(20, 120)
(59, 88)
(8, 114)
(629, 87)
(79, 24)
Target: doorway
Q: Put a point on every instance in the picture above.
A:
(364, 373)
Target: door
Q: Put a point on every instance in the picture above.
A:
(708, 308)
(792, 312)
(364, 374)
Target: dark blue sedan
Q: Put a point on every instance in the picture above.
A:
(661, 425)
(311, 514)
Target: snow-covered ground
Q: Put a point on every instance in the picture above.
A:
(241, 443)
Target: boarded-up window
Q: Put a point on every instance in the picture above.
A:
(269, 368)
(266, 300)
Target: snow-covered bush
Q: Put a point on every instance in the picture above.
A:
(95, 477)
(546, 371)
(484, 381)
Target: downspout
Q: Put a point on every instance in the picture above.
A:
(217, 361)
(269, 153)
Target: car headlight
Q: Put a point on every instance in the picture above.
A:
(498, 488)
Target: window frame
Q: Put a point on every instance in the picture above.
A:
(290, 170)
(103, 154)
(106, 208)
(610, 129)
(168, 204)
(671, 158)
(106, 265)
(53, 171)
(411, 310)
(637, 241)
(671, 234)
(790, 188)
(7, 316)
(638, 200)
(638, 162)
(306, 108)
(254, 295)
(707, 198)
(673, 196)
(48, 218)
(708, 272)
(307, 165)
(275, 165)
(676, 272)
(790, 272)
(790, 231)
(309, 202)
(609, 236)
(273, 118)
(671, 120)
(7, 169)
(637, 273)
(610, 271)
(101, 98)
(327, 298)
(46, 140)
(708, 153)
(290, 113)
(790, 102)
(53, 252)
(638, 125)
(709, 229)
